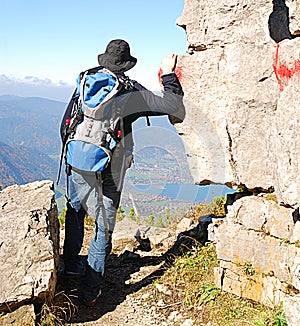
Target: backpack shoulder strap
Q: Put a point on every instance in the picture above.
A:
(129, 86)
(127, 83)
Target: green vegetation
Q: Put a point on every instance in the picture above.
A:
(150, 220)
(167, 219)
(286, 242)
(248, 269)
(216, 207)
(170, 218)
(194, 294)
(62, 217)
(159, 222)
(120, 214)
(88, 220)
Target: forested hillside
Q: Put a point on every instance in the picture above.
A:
(31, 122)
(19, 165)
(29, 134)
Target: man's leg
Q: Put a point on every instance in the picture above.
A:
(101, 246)
(79, 190)
(74, 233)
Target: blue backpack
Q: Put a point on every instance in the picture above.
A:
(96, 124)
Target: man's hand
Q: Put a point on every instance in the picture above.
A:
(168, 64)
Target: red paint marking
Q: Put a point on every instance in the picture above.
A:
(159, 75)
(283, 72)
(178, 73)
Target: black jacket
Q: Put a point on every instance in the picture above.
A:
(143, 103)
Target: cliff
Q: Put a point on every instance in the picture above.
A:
(241, 129)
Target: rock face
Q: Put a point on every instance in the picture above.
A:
(231, 90)
(258, 245)
(29, 243)
(241, 129)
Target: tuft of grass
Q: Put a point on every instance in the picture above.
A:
(277, 319)
(216, 207)
(89, 221)
(62, 217)
(248, 269)
(56, 311)
(194, 293)
(272, 197)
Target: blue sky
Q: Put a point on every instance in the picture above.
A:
(50, 42)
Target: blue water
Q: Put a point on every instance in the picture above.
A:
(185, 192)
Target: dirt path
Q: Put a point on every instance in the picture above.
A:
(124, 298)
(128, 288)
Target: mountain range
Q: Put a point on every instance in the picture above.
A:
(29, 139)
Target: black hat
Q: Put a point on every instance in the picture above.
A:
(117, 57)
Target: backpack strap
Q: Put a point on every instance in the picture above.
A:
(67, 129)
(129, 86)
(101, 202)
(148, 121)
(126, 82)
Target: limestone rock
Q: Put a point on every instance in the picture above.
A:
(160, 238)
(230, 95)
(241, 128)
(129, 235)
(24, 316)
(234, 128)
(231, 92)
(258, 258)
(184, 225)
(28, 243)
(124, 236)
(286, 63)
(287, 145)
(225, 22)
(292, 310)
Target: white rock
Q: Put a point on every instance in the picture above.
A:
(163, 289)
(188, 322)
(29, 242)
(173, 315)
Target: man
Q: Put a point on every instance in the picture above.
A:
(139, 103)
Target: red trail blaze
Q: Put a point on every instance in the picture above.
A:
(283, 72)
(178, 73)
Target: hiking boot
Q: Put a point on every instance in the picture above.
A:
(72, 275)
(93, 302)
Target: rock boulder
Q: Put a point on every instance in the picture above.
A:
(29, 243)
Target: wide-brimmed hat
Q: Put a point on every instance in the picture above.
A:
(117, 57)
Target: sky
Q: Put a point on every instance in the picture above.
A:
(47, 43)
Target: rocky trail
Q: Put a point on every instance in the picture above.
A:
(125, 299)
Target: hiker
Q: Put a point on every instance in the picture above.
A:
(135, 101)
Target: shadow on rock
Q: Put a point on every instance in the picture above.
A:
(279, 22)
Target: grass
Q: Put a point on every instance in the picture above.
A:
(195, 295)
(57, 311)
(88, 220)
